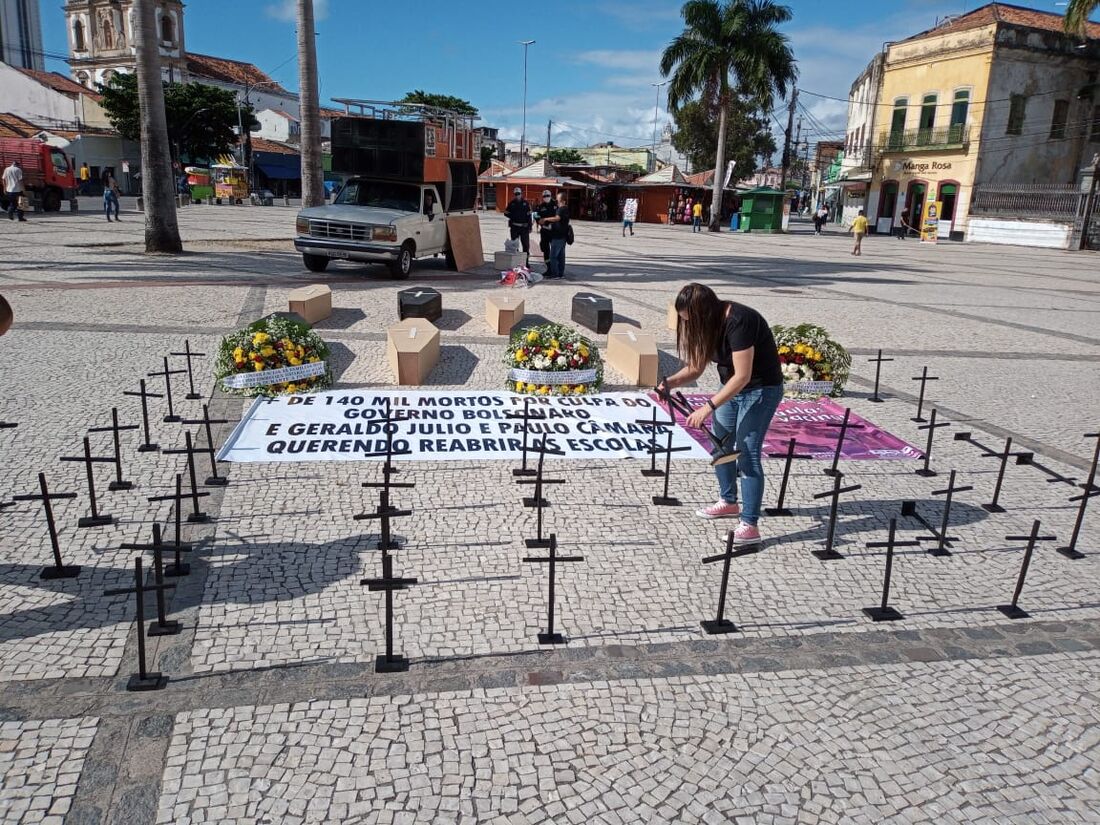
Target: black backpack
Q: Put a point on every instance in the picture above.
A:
(569, 236)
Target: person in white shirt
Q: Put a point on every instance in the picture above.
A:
(13, 189)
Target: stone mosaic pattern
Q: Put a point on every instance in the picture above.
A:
(964, 742)
(40, 763)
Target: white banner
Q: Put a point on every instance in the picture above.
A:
(265, 378)
(344, 425)
(545, 377)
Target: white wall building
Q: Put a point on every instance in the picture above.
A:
(21, 34)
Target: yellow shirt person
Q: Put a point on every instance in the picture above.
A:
(859, 229)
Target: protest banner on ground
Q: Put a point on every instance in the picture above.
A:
(443, 425)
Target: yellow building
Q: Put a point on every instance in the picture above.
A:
(998, 95)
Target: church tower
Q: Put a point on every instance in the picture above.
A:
(101, 39)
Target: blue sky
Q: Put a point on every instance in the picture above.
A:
(589, 71)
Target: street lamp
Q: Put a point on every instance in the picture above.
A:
(656, 106)
(246, 137)
(523, 134)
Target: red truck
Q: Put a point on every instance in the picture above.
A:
(48, 177)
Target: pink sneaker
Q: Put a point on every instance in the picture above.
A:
(746, 534)
(720, 509)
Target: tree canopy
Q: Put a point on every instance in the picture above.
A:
(565, 156)
(748, 137)
(202, 119)
(454, 104)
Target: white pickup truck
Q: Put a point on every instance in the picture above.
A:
(375, 221)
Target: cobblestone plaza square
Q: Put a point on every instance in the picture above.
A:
(273, 711)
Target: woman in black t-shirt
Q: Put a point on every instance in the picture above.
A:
(740, 341)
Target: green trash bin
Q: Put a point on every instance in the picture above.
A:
(762, 210)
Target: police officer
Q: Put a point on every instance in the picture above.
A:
(547, 209)
(519, 220)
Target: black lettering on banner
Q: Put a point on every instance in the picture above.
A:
(486, 429)
(276, 447)
(273, 429)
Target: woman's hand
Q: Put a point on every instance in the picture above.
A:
(698, 418)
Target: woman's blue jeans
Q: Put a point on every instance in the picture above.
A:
(110, 201)
(747, 416)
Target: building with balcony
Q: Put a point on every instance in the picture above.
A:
(997, 95)
(852, 182)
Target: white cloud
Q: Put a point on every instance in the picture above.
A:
(631, 60)
(288, 10)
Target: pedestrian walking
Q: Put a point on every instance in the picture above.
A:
(859, 229)
(820, 218)
(697, 217)
(547, 209)
(901, 231)
(739, 339)
(630, 212)
(518, 212)
(13, 190)
(85, 178)
(559, 235)
(110, 195)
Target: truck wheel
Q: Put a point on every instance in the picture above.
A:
(51, 201)
(315, 263)
(449, 254)
(404, 263)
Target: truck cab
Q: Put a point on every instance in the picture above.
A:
(48, 177)
(408, 168)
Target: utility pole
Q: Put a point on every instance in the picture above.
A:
(548, 124)
(797, 141)
(523, 134)
(787, 140)
(656, 106)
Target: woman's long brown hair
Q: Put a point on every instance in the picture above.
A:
(697, 337)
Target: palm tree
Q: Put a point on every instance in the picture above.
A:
(1078, 13)
(728, 47)
(313, 175)
(158, 185)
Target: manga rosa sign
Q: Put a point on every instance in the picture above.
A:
(345, 425)
(805, 421)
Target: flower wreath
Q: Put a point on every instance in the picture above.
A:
(553, 359)
(273, 356)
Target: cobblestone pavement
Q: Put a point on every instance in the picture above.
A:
(810, 713)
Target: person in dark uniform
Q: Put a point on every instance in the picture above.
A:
(547, 209)
(519, 221)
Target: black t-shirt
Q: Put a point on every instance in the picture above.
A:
(745, 327)
(561, 227)
(548, 209)
(519, 213)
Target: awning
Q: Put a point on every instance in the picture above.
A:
(275, 172)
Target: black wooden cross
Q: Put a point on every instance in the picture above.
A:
(147, 446)
(720, 624)
(941, 538)
(388, 470)
(828, 553)
(115, 428)
(167, 373)
(790, 455)
(196, 516)
(931, 426)
(994, 506)
(143, 679)
(653, 425)
(214, 480)
(550, 637)
(96, 519)
(1012, 610)
(878, 361)
(192, 395)
(1070, 551)
(526, 416)
(178, 568)
(924, 378)
(884, 612)
(163, 626)
(665, 500)
(538, 500)
(844, 425)
(720, 453)
(57, 570)
(388, 583)
(384, 513)
(7, 425)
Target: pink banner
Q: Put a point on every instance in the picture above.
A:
(805, 421)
